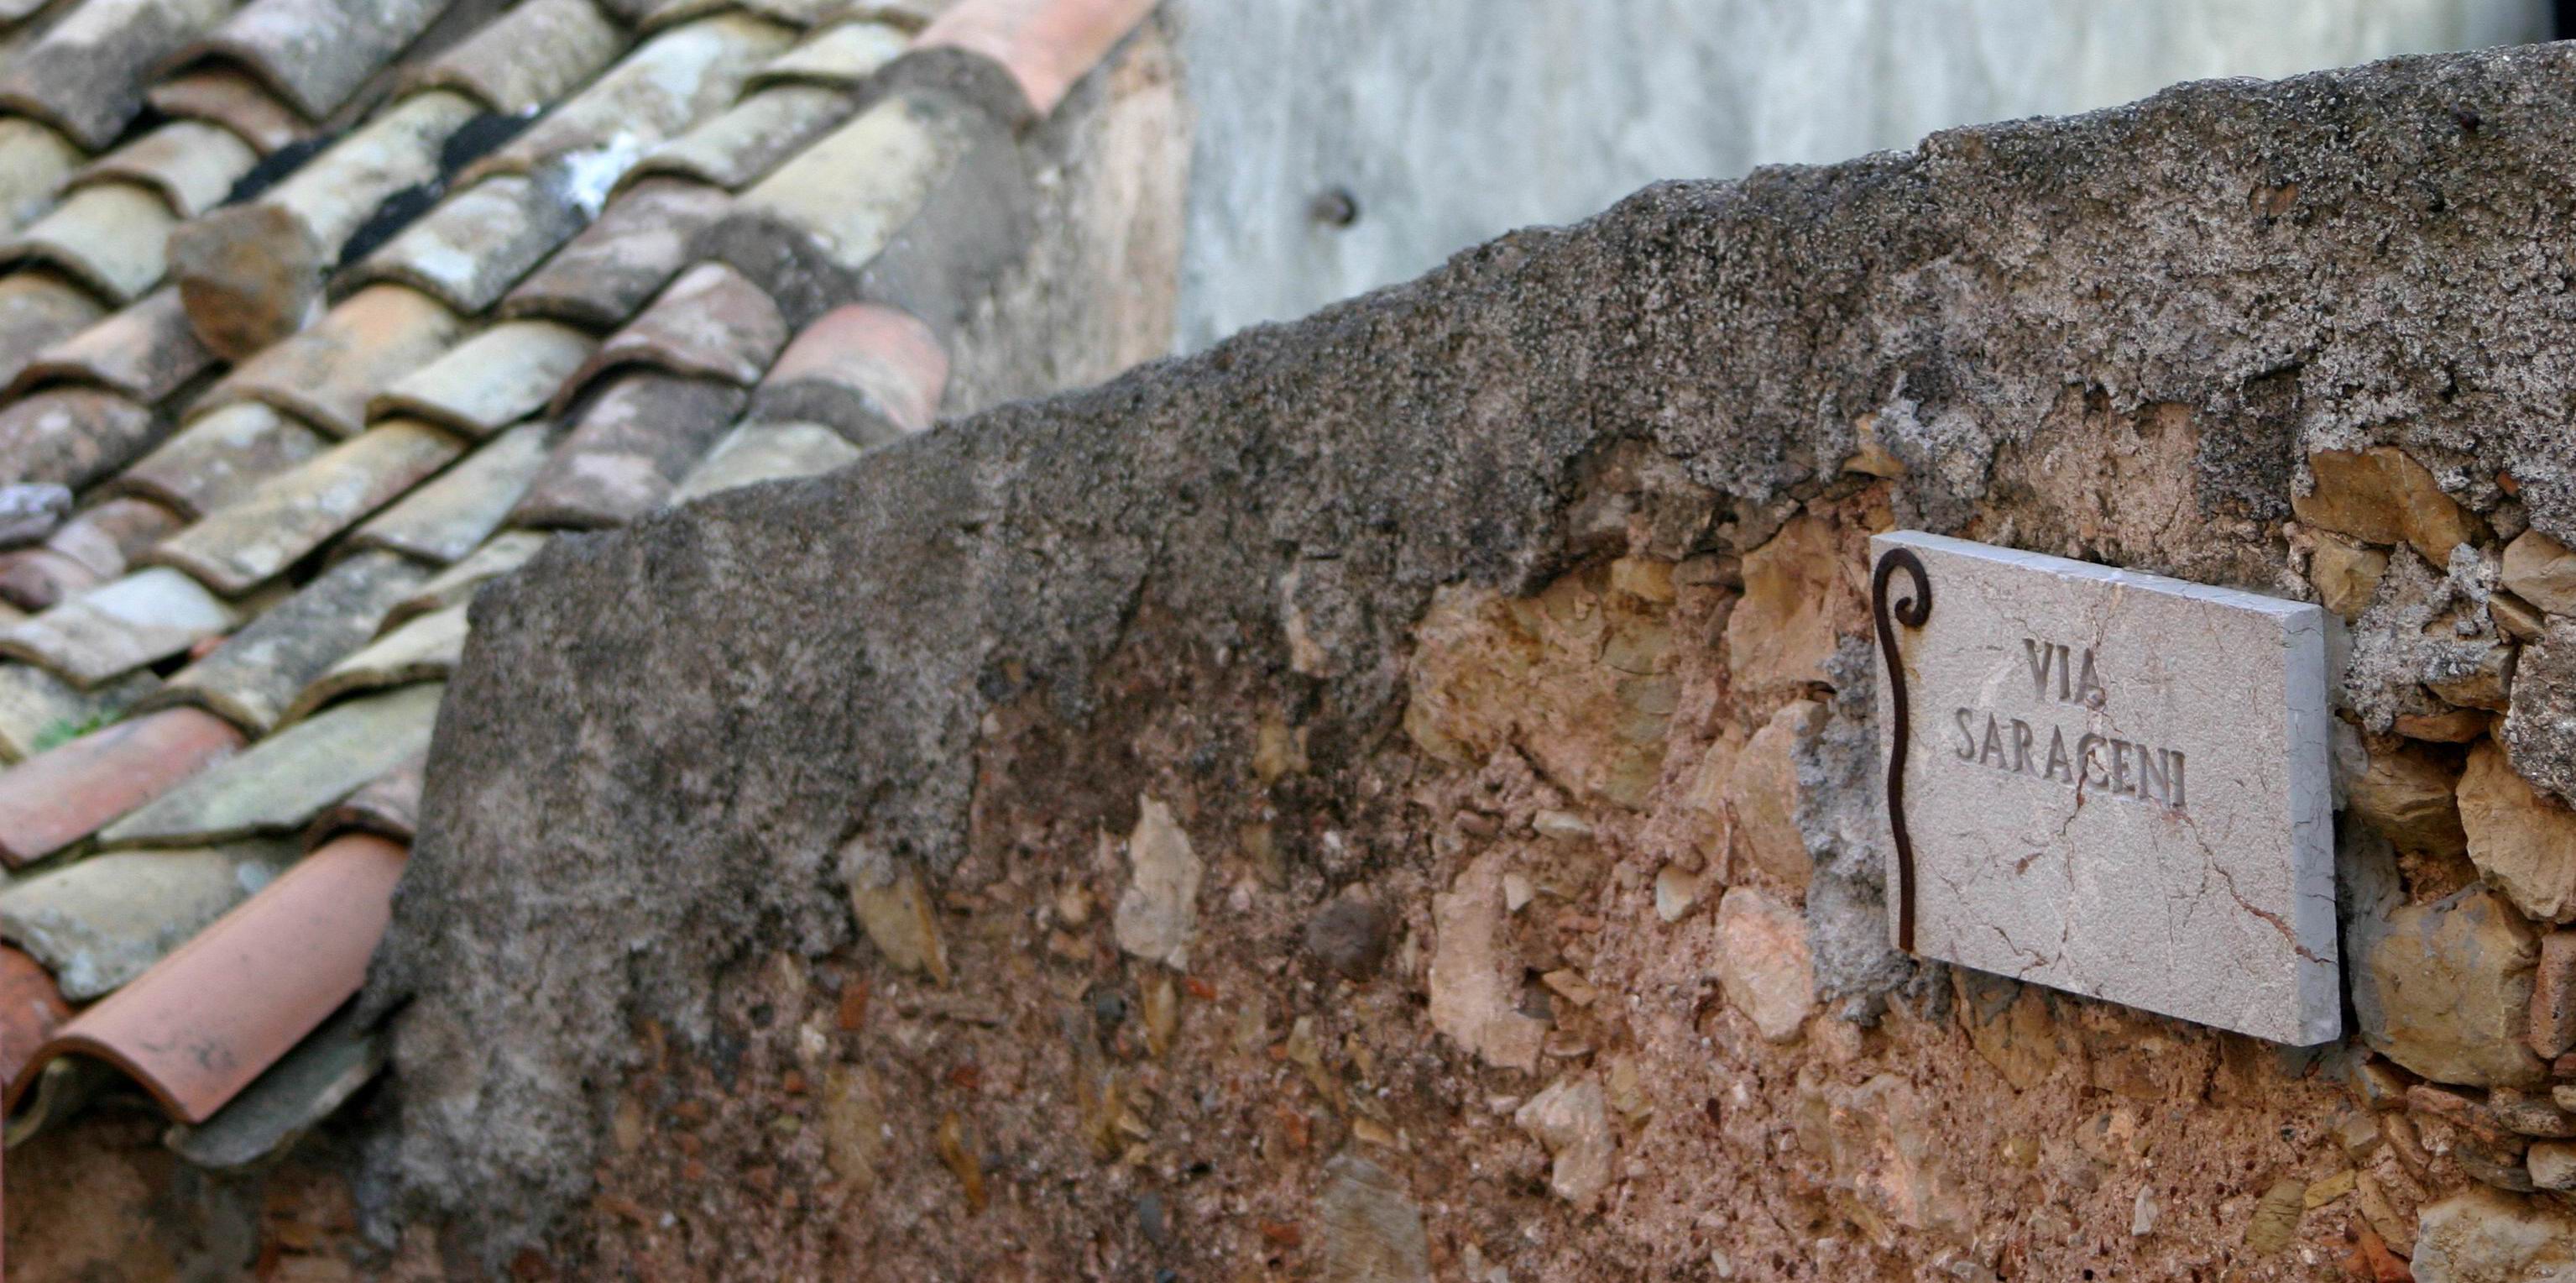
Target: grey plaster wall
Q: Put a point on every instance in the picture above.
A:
(1449, 121)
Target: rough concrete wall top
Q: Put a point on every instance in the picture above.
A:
(670, 745)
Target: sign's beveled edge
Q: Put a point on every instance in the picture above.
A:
(2318, 988)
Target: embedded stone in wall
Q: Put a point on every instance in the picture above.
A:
(2114, 783)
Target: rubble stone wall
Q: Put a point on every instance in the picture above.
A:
(1391, 797)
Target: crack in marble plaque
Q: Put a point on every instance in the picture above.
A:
(2116, 784)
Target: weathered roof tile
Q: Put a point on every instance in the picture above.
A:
(871, 372)
(619, 261)
(222, 1008)
(457, 584)
(72, 436)
(758, 452)
(491, 380)
(219, 457)
(108, 236)
(275, 1110)
(711, 323)
(666, 84)
(223, 96)
(419, 650)
(629, 449)
(477, 243)
(146, 351)
(98, 544)
(34, 161)
(528, 57)
(315, 53)
(193, 165)
(37, 310)
(256, 673)
(119, 626)
(841, 56)
(39, 710)
(1045, 45)
(105, 920)
(749, 138)
(447, 518)
(67, 792)
(85, 74)
(389, 807)
(328, 373)
(255, 539)
(280, 783)
(398, 147)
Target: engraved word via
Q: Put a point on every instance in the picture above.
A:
(2116, 767)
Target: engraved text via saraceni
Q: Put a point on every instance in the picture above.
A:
(2084, 760)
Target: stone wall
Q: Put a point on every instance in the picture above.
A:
(1392, 797)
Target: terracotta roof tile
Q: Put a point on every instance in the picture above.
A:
(193, 165)
(314, 53)
(758, 452)
(39, 710)
(628, 449)
(276, 1109)
(871, 372)
(280, 783)
(711, 323)
(255, 539)
(389, 807)
(752, 136)
(140, 618)
(72, 436)
(103, 921)
(327, 374)
(423, 649)
(1045, 45)
(841, 56)
(220, 457)
(70, 791)
(146, 351)
(99, 543)
(399, 147)
(477, 243)
(608, 271)
(37, 310)
(31, 1008)
(220, 1010)
(34, 161)
(491, 380)
(666, 84)
(529, 56)
(446, 519)
(223, 96)
(85, 74)
(252, 678)
(456, 585)
(108, 236)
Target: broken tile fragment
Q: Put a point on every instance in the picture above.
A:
(108, 236)
(39, 711)
(525, 59)
(102, 921)
(870, 372)
(292, 1097)
(422, 649)
(288, 516)
(491, 380)
(630, 446)
(444, 519)
(327, 374)
(73, 436)
(220, 457)
(711, 323)
(477, 243)
(388, 806)
(255, 675)
(757, 452)
(456, 585)
(117, 627)
(1158, 914)
(279, 784)
(65, 793)
(612, 267)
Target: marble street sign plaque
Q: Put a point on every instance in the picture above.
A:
(2108, 782)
